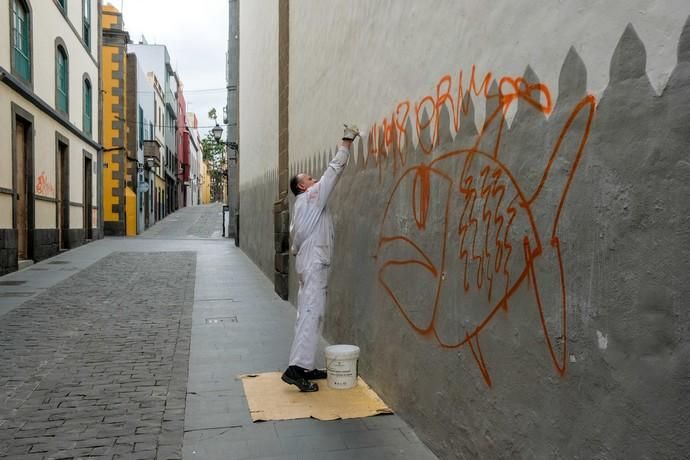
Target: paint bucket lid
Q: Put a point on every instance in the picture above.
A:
(342, 352)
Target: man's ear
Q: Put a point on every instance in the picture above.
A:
(302, 187)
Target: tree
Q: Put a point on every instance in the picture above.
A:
(214, 152)
(212, 149)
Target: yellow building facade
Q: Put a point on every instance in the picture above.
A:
(204, 182)
(119, 199)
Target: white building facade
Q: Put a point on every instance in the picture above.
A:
(155, 58)
(155, 151)
(49, 128)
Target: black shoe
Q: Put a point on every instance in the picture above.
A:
(292, 376)
(315, 374)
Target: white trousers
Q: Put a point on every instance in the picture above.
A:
(311, 305)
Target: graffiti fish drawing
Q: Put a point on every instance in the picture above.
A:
(466, 230)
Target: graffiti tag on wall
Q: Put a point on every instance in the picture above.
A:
(43, 186)
(461, 223)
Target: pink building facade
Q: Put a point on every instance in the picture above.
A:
(182, 139)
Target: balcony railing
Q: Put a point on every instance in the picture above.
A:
(170, 101)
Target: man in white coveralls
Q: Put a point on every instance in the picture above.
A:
(312, 241)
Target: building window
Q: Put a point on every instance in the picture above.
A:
(87, 23)
(88, 111)
(62, 80)
(20, 36)
(62, 4)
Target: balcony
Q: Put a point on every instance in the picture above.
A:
(170, 101)
(152, 150)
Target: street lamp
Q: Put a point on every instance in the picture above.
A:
(218, 133)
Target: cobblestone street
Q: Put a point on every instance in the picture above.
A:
(130, 348)
(97, 365)
(192, 222)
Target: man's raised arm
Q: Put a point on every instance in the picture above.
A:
(336, 166)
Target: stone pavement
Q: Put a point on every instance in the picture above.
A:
(96, 360)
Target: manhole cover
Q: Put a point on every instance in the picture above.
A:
(12, 283)
(18, 294)
(58, 262)
(38, 268)
(221, 320)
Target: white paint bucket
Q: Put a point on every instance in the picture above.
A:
(341, 366)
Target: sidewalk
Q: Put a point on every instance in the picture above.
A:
(238, 326)
(254, 336)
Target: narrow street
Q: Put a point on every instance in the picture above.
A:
(482, 205)
(131, 348)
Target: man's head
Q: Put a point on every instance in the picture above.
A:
(301, 183)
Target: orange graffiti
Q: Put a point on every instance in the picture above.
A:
(486, 233)
(508, 91)
(43, 186)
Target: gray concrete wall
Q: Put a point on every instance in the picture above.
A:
(354, 60)
(256, 224)
(527, 296)
(258, 88)
(523, 292)
(519, 285)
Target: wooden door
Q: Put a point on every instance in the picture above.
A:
(147, 198)
(62, 191)
(88, 193)
(21, 209)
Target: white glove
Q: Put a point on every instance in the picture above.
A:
(350, 132)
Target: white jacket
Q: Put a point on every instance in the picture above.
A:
(312, 227)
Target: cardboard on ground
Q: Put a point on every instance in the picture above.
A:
(270, 398)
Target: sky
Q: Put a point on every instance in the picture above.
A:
(196, 34)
